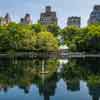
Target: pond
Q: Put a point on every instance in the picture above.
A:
(50, 79)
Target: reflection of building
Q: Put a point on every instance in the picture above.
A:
(95, 15)
(26, 20)
(73, 85)
(76, 21)
(48, 17)
(5, 20)
(47, 88)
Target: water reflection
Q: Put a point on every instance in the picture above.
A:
(87, 70)
(80, 76)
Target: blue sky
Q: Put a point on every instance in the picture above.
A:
(64, 8)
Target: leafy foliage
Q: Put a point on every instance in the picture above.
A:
(83, 40)
(46, 41)
(26, 37)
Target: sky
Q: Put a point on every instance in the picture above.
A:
(64, 9)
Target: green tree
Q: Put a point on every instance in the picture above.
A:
(89, 40)
(53, 28)
(38, 27)
(70, 32)
(22, 37)
(4, 39)
(46, 42)
(83, 40)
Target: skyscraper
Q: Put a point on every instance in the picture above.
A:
(26, 20)
(76, 21)
(5, 20)
(95, 15)
(48, 17)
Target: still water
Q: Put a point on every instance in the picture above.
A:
(52, 79)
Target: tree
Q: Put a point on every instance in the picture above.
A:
(88, 41)
(69, 32)
(17, 37)
(22, 37)
(38, 27)
(46, 42)
(91, 39)
(4, 39)
(53, 28)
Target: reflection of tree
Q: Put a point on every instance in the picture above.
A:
(25, 72)
(93, 84)
(48, 88)
(25, 88)
(72, 75)
(87, 69)
(73, 85)
(90, 64)
(94, 92)
(73, 70)
(93, 76)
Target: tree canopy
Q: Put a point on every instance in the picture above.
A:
(83, 39)
(46, 41)
(39, 37)
(25, 37)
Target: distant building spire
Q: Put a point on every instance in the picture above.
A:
(26, 20)
(48, 9)
(7, 18)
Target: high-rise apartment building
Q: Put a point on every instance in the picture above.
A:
(5, 20)
(26, 20)
(48, 17)
(76, 21)
(95, 15)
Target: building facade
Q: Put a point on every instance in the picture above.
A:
(48, 17)
(76, 21)
(26, 20)
(5, 20)
(95, 15)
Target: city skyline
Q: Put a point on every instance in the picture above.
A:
(19, 8)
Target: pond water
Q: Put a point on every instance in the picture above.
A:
(51, 79)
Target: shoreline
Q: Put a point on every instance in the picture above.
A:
(42, 55)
